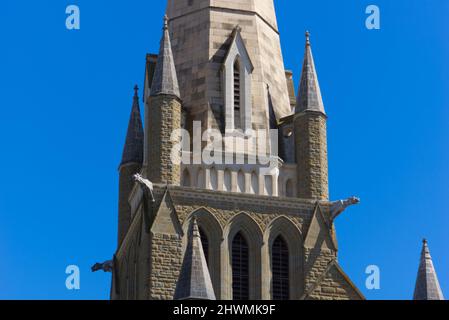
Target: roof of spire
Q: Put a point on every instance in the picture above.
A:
(427, 285)
(194, 281)
(133, 149)
(309, 93)
(165, 80)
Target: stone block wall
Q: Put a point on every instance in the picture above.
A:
(311, 155)
(162, 117)
(315, 273)
(126, 184)
(166, 262)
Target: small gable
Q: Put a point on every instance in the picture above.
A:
(166, 220)
(319, 235)
(334, 284)
(237, 48)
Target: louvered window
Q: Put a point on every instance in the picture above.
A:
(205, 243)
(280, 269)
(240, 268)
(237, 96)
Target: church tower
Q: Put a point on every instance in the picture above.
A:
(130, 165)
(311, 133)
(237, 230)
(207, 51)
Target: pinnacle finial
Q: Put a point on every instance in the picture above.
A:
(136, 90)
(308, 38)
(425, 241)
(165, 22)
(195, 229)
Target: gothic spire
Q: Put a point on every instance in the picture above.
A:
(194, 281)
(133, 150)
(427, 285)
(309, 93)
(165, 80)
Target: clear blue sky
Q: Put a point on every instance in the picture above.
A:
(66, 97)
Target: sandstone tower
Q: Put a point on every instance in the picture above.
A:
(311, 133)
(232, 230)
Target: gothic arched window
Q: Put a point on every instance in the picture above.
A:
(240, 268)
(241, 181)
(186, 180)
(237, 96)
(268, 185)
(213, 179)
(236, 71)
(200, 182)
(289, 189)
(280, 269)
(254, 183)
(227, 180)
(205, 243)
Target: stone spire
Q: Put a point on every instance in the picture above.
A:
(165, 80)
(131, 164)
(133, 149)
(427, 284)
(309, 94)
(310, 122)
(194, 280)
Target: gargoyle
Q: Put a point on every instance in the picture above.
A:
(107, 266)
(338, 207)
(147, 184)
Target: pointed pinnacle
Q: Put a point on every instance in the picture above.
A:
(136, 90)
(165, 23)
(307, 38)
(195, 229)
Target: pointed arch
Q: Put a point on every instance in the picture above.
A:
(213, 232)
(205, 243)
(254, 183)
(289, 189)
(237, 94)
(280, 269)
(227, 180)
(200, 179)
(213, 178)
(240, 267)
(186, 178)
(292, 236)
(250, 230)
(268, 185)
(237, 70)
(241, 182)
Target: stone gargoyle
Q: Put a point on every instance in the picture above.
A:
(107, 266)
(338, 207)
(147, 184)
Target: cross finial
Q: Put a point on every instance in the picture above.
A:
(136, 90)
(308, 38)
(165, 22)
